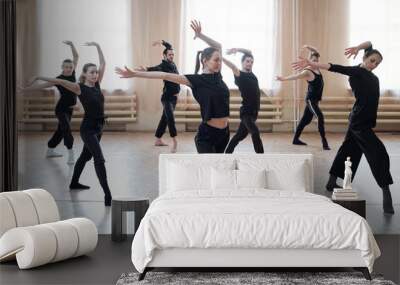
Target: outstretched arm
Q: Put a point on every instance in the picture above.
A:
(346, 70)
(305, 74)
(172, 77)
(235, 50)
(74, 52)
(232, 66)
(353, 51)
(72, 86)
(102, 62)
(196, 26)
(37, 87)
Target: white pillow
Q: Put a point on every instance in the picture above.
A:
(189, 175)
(223, 179)
(285, 174)
(251, 178)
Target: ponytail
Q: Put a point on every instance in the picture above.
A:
(205, 54)
(167, 46)
(196, 70)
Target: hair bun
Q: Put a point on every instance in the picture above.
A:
(166, 44)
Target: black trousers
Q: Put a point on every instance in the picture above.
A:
(63, 129)
(357, 143)
(167, 119)
(91, 132)
(211, 140)
(312, 109)
(247, 125)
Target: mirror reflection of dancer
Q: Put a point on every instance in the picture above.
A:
(360, 138)
(314, 95)
(168, 97)
(209, 90)
(92, 99)
(250, 93)
(64, 107)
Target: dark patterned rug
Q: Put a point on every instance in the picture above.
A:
(244, 278)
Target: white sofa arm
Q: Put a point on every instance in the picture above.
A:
(40, 244)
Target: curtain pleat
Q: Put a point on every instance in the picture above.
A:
(8, 126)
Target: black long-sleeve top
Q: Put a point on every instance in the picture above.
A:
(170, 89)
(365, 87)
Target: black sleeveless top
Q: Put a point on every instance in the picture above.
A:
(67, 97)
(212, 94)
(250, 92)
(315, 87)
(92, 100)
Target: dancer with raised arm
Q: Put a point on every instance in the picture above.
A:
(315, 89)
(64, 106)
(92, 99)
(209, 90)
(250, 93)
(169, 96)
(360, 138)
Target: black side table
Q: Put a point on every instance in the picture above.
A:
(119, 207)
(357, 206)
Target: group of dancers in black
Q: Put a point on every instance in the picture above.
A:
(212, 94)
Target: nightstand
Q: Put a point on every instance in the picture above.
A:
(357, 206)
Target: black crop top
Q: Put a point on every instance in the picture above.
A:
(211, 93)
(250, 92)
(315, 87)
(67, 97)
(170, 88)
(92, 100)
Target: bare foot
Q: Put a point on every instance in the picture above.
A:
(159, 142)
(174, 145)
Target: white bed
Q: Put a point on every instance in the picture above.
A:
(219, 211)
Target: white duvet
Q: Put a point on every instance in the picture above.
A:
(250, 219)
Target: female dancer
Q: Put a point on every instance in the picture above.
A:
(168, 97)
(64, 107)
(92, 99)
(250, 92)
(360, 138)
(209, 90)
(314, 95)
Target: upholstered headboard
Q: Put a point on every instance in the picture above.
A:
(208, 159)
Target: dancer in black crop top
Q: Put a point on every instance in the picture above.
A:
(169, 96)
(92, 99)
(360, 138)
(313, 96)
(64, 106)
(250, 92)
(209, 90)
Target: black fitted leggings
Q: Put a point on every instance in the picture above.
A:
(91, 132)
(312, 109)
(211, 140)
(167, 119)
(63, 130)
(247, 125)
(357, 143)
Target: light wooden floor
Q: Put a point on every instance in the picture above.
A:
(132, 165)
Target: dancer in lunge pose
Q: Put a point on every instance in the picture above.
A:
(250, 92)
(92, 99)
(168, 97)
(360, 138)
(313, 96)
(209, 90)
(64, 107)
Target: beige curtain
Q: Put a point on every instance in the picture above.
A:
(153, 20)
